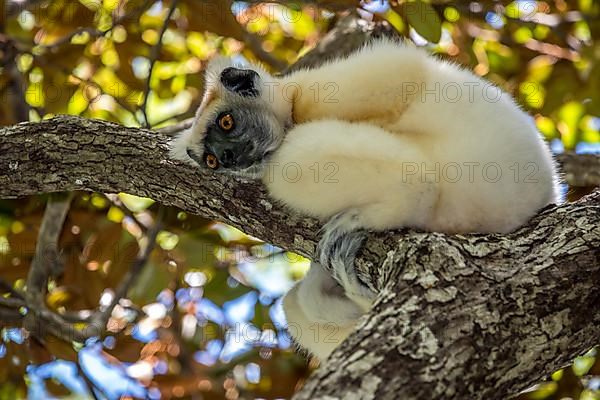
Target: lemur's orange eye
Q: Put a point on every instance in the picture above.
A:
(226, 122)
(211, 161)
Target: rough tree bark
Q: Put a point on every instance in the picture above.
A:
(474, 317)
(457, 317)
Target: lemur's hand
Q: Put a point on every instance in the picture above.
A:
(336, 251)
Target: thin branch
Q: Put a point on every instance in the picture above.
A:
(10, 302)
(46, 250)
(16, 83)
(14, 7)
(183, 357)
(49, 322)
(115, 201)
(184, 119)
(39, 320)
(19, 84)
(45, 261)
(100, 319)
(174, 129)
(90, 82)
(9, 315)
(549, 49)
(8, 288)
(255, 43)
(93, 32)
(82, 316)
(155, 52)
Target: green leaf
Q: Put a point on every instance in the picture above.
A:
(424, 19)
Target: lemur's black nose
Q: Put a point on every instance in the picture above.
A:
(227, 158)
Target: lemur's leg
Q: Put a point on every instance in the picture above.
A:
(325, 300)
(341, 239)
(345, 232)
(319, 314)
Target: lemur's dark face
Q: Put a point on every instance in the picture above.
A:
(236, 130)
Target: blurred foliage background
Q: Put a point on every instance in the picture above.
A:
(203, 319)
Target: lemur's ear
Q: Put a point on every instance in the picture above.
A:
(240, 81)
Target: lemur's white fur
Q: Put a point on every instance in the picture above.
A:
(398, 138)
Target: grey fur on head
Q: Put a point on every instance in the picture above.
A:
(238, 92)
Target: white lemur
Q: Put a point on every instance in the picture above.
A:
(387, 137)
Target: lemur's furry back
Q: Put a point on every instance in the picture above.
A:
(388, 137)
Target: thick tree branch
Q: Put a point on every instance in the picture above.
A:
(71, 153)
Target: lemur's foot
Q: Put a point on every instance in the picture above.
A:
(340, 241)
